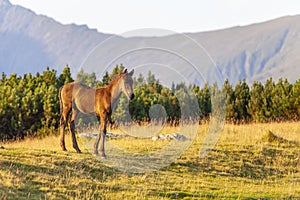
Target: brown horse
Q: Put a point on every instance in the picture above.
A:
(76, 97)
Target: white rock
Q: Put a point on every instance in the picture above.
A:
(154, 138)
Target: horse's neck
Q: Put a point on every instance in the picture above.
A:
(115, 89)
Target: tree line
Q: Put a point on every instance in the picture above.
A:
(29, 104)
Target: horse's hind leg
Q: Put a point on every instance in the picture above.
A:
(72, 130)
(63, 120)
(62, 133)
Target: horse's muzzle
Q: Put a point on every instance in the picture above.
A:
(131, 96)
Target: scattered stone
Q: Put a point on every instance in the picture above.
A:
(108, 135)
(89, 135)
(154, 138)
(114, 135)
(174, 136)
(162, 137)
(2, 147)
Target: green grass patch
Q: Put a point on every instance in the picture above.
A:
(241, 166)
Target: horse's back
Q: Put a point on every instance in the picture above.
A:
(81, 96)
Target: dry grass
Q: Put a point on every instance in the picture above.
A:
(241, 166)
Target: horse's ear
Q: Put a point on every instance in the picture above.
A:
(131, 72)
(125, 71)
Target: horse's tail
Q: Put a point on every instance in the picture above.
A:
(60, 100)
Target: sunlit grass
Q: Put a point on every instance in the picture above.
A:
(144, 145)
(241, 166)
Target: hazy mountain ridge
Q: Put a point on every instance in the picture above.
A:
(30, 42)
(36, 41)
(257, 51)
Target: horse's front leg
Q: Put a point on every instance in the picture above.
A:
(101, 136)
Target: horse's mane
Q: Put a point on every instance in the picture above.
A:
(113, 78)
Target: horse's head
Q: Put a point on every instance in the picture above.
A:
(127, 84)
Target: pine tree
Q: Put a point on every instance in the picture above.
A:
(65, 77)
(280, 100)
(150, 78)
(295, 100)
(267, 108)
(230, 99)
(204, 101)
(105, 79)
(242, 98)
(86, 78)
(256, 102)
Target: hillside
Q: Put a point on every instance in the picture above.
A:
(257, 51)
(30, 42)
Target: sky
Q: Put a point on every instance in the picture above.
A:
(119, 16)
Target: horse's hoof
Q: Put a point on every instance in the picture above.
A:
(101, 156)
(78, 151)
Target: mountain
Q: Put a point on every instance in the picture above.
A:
(258, 51)
(30, 42)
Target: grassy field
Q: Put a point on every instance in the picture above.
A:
(248, 162)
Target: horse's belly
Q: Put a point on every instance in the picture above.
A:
(85, 105)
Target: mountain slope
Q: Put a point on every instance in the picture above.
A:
(257, 51)
(30, 42)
